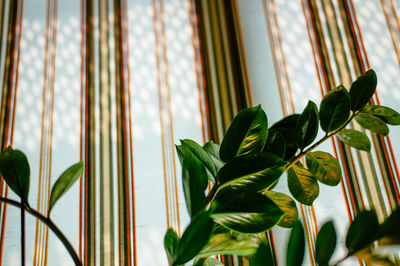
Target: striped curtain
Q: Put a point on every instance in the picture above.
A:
(116, 83)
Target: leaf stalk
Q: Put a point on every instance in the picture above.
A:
(48, 222)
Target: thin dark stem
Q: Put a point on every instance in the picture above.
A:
(22, 234)
(327, 136)
(50, 224)
(212, 193)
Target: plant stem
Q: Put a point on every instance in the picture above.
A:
(49, 223)
(212, 193)
(327, 136)
(22, 234)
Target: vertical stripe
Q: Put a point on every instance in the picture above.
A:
(127, 247)
(129, 127)
(106, 167)
(88, 207)
(41, 234)
(8, 91)
(166, 126)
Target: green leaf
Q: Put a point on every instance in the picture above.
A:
(244, 211)
(263, 256)
(64, 182)
(287, 128)
(362, 90)
(210, 162)
(287, 205)
(252, 172)
(212, 148)
(247, 133)
(326, 243)
(194, 180)
(295, 248)
(324, 167)
(388, 115)
(207, 262)
(171, 242)
(334, 109)
(302, 184)
(373, 123)
(195, 237)
(227, 243)
(362, 231)
(307, 125)
(390, 227)
(14, 167)
(355, 139)
(275, 143)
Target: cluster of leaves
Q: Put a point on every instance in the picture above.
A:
(249, 162)
(14, 167)
(362, 233)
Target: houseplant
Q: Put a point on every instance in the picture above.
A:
(242, 171)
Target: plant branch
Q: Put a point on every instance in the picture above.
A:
(22, 234)
(327, 136)
(49, 223)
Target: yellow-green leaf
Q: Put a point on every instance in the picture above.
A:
(302, 184)
(388, 115)
(373, 123)
(324, 167)
(287, 205)
(355, 139)
(228, 243)
(64, 182)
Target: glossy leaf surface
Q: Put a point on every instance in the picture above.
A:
(212, 148)
(194, 238)
(334, 109)
(326, 243)
(247, 133)
(362, 90)
(195, 181)
(355, 139)
(388, 115)
(252, 172)
(373, 123)
(324, 167)
(210, 162)
(245, 211)
(287, 205)
(14, 168)
(171, 242)
(307, 125)
(302, 184)
(295, 248)
(275, 143)
(65, 182)
(362, 231)
(287, 128)
(230, 244)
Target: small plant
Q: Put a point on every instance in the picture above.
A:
(243, 170)
(15, 170)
